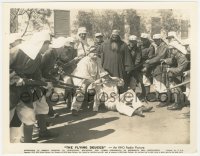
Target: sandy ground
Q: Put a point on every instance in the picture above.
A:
(160, 126)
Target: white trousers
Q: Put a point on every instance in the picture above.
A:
(26, 114)
(159, 86)
(120, 103)
(146, 80)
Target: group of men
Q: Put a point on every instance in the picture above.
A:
(109, 71)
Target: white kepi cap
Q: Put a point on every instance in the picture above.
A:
(157, 36)
(144, 35)
(98, 34)
(132, 38)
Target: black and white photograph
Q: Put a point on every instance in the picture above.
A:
(118, 75)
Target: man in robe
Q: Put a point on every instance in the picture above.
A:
(116, 58)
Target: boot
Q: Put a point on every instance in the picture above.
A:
(52, 113)
(68, 97)
(139, 112)
(175, 106)
(147, 91)
(162, 104)
(28, 131)
(74, 112)
(146, 108)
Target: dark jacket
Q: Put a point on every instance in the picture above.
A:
(26, 68)
(48, 62)
(155, 64)
(66, 56)
(161, 53)
(178, 64)
(136, 55)
(148, 52)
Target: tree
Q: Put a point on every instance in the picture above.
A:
(14, 13)
(36, 17)
(104, 22)
(169, 23)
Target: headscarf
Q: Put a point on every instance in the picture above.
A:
(115, 32)
(178, 46)
(82, 30)
(59, 42)
(33, 46)
(173, 34)
(69, 40)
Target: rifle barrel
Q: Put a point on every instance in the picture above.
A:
(181, 84)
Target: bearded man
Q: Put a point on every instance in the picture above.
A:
(116, 58)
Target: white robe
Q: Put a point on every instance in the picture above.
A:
(108, 93)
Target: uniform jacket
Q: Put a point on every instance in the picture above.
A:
(24, 67)
(148, 52)
(178, 63)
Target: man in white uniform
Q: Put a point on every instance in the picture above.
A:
(107, 92)
(89, 69)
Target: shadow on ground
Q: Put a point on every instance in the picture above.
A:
(66, 116)
(73, 133)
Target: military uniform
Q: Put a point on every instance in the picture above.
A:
(157, 68)
(178, 64)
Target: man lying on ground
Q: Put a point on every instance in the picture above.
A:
(107, 91)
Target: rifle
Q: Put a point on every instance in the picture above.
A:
(138, 65)
(61, 84)
(31, 82)
(73, 61)
(77, 77)
(179, 85)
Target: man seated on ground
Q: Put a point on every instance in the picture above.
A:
(107, 91)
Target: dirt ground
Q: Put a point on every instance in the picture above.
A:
(160, 126)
